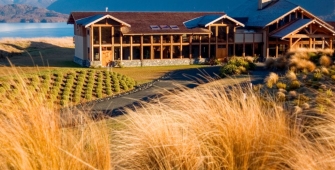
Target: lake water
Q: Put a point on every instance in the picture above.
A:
(30, 30)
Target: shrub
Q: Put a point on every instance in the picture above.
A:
(295, 84)
(271, 79)
(229, 69)
(281, 85)
(324, 71)
(333, 77)
(270, 63)
(317, 76)
(291, 75)
(280, 96)
(325, 61)
(124, 85)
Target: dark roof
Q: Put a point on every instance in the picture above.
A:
(292, 27)
(260, 18)
(140, 21)
(296, 26)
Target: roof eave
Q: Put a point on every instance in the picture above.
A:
(272, 22)
(224, 17)
(107, 16)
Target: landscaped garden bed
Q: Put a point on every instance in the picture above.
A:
(67, 87)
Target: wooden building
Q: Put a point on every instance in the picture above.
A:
(284, 25)
(256, 28)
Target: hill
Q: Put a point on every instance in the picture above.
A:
(321, 8)
(37, 3)
(25, 13)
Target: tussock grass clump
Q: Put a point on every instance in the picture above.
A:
(35, 134)
(325, 61)
(216, 128)
(271, 79)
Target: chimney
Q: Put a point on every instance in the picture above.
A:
(106, 9)
(263, 3)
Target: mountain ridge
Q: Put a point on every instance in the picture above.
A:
(26, 13)
(325, 9)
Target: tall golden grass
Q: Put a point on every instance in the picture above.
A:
(214, 127)
(37, 135)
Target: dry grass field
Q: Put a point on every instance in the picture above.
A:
(42, 52)
(277, 125)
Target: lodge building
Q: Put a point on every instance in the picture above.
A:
(259, 28)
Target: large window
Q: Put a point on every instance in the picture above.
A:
(136, 39)
(222, 33)
(106, 35)
(157, 52)
(204, 51)
(176, 38)
(96, 54)
(205, 38)
(126, 53)
(186, 51)
(166, 38)
(176, 52)
(117, 35)
(146, 39)
(186, 38)
(146, 52)
(136, 53)
(195, 51)
(96, 35)
(231, 34)
(157, 39)
(126, 39)
(166, 52)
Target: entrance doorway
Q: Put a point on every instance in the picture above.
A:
(221, 52)
(107, 57)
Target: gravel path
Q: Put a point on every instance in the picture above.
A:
(189, 78)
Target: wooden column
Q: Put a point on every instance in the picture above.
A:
(190, 40)
(277, 48)
(209, 46)
(90, 58)
(200, 46)
(323, 43)
(152, 47)
(234, 48)
(100, 50)
(141, 47)
(227, 37)
(113, 52)
(243, 54)
(253, 44)
(121, 48)
(161, 36)
(171, 47)
(131, 48)
(290, 46)
(181, 46)
(310, 43)
(331, 42)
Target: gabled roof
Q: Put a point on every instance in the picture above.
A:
(141, 21)
(269, 14)
(95, 18)
(297, 26)
(261, 18)
(206, 20)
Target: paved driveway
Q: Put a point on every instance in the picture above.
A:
(189, 78)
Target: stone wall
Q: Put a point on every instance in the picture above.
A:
(163, 62)
(139, 63)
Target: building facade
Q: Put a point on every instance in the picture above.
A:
(179, 38)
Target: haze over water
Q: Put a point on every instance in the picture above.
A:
(30, 30)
